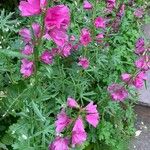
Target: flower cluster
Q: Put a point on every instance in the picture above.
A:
(139, 12)
(110, 5)
(119, 15)
(56, 21)
(54, 27)
(142, 64)
(78, 134)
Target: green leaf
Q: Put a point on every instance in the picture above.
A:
(12, 54)
(38, 112)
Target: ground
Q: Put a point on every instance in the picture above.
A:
(142, 137)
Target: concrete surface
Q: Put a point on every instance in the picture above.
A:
(145, 93)
(142, 135)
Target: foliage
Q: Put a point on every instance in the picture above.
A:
(28, 107)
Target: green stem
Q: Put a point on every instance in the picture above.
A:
(93, 18)
(38, 44)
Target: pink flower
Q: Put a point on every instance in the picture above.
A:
(26, 68)
(85, 37)
(121, 11)
(118, 92)
(75, 47)
(139, 13)
(72, 103)
(143, 63)
(28, 50)
(90, 108)
(93, 119)
(72, 38)
(59, 144)
(99, 22)
(36, 29)
(87, 5)
(126, 77)
(66, 50)
(110, 5)
(78, 133)
(57, 17)
(31, 7)
(84, 62)
(59, 36)
(54, 51)
(43, 3)
(25, 34)
(138, 82)
(47, 57)
(62, 121)
(99, 37)
(140, 46)
(92, 116)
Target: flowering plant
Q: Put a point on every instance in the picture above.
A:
(78, 75)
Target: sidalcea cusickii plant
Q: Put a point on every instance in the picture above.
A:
(68, 48)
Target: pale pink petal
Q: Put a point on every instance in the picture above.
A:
(78, 133)
(72, 103)
(62, 121)
(87, 5)
(93, 119)
(59, 144)
(85, 37)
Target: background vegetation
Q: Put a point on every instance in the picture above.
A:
(27, 113)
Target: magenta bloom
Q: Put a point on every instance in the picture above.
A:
(121, 11)
(126, 77)
(78, 133)
(90, 108)
(31, 7)
(72, 38)
(139, 13)
(92, 116)
(118, 92)
(25, 34)
(143, 63)
(62, 121)
(99, 37)
(72, 103)
(140, 46)
(93, 119)
(54, 51)
(66, 50)
(59, 36)
(36, 29)
(138, 82)
(99, 22)
(85, 37)
(75, 47)
(59, 144)
(47, 57)
(110, 5)
(83, 62)
(87, 5)
(26, 68)
(57, 17)
(28, 50)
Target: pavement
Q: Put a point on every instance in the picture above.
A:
(141, 141)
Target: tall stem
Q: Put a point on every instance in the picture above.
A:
(37, 48)
(93, 18)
